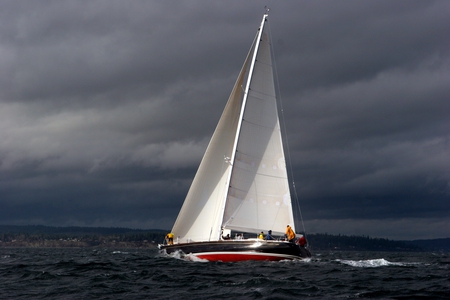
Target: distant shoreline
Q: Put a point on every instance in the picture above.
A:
(31, 236)
(65, 244)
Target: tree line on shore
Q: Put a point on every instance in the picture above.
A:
(47, 236)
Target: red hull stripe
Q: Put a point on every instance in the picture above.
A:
(242, 256)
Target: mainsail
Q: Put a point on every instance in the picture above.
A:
(241, 183)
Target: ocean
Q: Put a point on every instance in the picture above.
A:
(88, 273)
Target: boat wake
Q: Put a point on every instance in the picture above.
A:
(191, 257)
(372, 263)
(182, 256)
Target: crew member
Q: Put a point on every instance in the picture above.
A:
(169, 238)
(302, 241)
(261, 235)
(269, 236)
(290, 234)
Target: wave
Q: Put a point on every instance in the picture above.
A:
(372, 263)
(120, 252)
(181, 256)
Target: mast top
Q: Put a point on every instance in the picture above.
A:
(266, 8)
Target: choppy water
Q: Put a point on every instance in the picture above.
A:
(143, 274)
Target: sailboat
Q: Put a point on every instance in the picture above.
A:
(241, 186)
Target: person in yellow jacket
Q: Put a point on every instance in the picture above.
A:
(261, 235)
(290, 234)
(169, 238)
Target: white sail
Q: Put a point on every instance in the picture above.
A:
(242, 183)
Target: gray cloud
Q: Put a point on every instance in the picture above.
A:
(106, 108)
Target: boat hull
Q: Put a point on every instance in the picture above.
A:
(239, 250)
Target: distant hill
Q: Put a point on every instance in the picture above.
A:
(46, 236)
(40, 229)
(432, 245)
(49, 236)
(357, 243)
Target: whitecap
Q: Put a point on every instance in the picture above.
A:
(370, 263)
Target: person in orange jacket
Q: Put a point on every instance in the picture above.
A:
(290, 234)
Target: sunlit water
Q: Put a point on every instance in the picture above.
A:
(143, 274)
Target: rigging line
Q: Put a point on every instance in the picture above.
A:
(283, 122)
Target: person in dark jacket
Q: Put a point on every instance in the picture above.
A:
(269, 236)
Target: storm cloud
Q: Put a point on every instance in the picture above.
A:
(106, 108)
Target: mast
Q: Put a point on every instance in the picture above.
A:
(241, 116)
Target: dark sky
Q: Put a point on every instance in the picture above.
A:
(106, 108)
